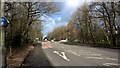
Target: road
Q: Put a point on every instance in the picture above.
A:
(60, 54)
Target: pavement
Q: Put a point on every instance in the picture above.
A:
(62, 55)
(36, 59)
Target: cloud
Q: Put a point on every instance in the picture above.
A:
(58, 19)
(50, 23)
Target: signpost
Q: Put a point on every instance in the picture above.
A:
(3, 23)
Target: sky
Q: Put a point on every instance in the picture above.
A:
(62, 17)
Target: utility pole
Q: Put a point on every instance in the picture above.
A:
(2, 38)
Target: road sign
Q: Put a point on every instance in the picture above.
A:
(4, 22)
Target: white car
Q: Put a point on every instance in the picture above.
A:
(63, 40)
(52, 41)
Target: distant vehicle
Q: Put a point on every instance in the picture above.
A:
(37, 38)
(52, 41)
(38, 41)
(75, 40)
(63, 40)
(34, 42)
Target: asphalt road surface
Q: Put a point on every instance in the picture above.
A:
(60, 54)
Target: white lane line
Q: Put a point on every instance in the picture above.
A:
(75, 46)
(96, 54)
(76, 54)
(86, 54)
(68, 51)
(62, 55)
(82, 50)
(109, 64)
(93, 58)
(92, 48)
(112, 59)
(65, 50)
(62, 47)
(72, 52)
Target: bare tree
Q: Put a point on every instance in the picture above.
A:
(21, 16)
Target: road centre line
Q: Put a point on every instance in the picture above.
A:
(112, 59)
(96, 54)
(109, 64)
(93, 58)
(84, 53)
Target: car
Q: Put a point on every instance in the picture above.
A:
(52, 41)
(63, 40)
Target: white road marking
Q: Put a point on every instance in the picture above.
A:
(96, 54)
(85, 54)
(65, 50)
(76, 54)
(75, 46)
(92, 48)
(88, 52)
(109, 64)
(55, 52)
(93, 57)
(112, 59)
(62, 55)
(81, 50)
(62, 47)
(69, 51)
(72, 52)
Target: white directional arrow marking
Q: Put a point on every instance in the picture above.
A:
(62, 55)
